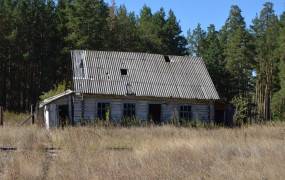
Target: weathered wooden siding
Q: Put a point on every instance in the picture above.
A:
(200, 112)
(116, 110)
(169, 110)
(51, 111)
(77, 109)
(142, 110)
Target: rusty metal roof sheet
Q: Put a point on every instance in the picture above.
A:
(150, 75)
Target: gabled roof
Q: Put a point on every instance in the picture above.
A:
(148, 75)
(56, 97)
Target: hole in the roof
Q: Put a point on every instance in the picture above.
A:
(124, 72)
(166, 58)
(108, 75)
(81, 65)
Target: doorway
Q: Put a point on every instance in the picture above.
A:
(63, 112)
(219, 116)
(154, 113)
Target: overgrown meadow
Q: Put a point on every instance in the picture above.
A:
(155, 152)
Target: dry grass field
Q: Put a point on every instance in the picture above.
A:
(256, 152)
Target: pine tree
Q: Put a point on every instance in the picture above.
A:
(278, 100)
(237, 52)
(30, 50)
(265, 29)
(175, 42)
(196, 41)
(123, 26)
(149, 31)
(87, 24)
(6, 47)
(214, 60)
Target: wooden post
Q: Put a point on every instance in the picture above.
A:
(1, 116)
(32, 114)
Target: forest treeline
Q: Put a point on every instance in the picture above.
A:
(246, 63)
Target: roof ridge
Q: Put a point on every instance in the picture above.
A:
(137, 52)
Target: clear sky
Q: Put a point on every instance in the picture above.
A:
(205, 12)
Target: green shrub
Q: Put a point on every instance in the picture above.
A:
(241, 109)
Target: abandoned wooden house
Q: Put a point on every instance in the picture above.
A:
(117, 85)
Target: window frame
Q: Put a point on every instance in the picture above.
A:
(102, 110)
(129, 110)
(185, 112)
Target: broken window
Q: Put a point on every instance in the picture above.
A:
(103, 111)
(124, 72)
(185, 112)
(166, 58)
(129, 110)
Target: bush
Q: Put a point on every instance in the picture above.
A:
(241, 108)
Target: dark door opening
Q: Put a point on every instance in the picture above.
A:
(219, 116)
(63, 112)
(154, 113)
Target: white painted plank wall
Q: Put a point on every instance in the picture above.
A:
(142, 110)
(169, 110)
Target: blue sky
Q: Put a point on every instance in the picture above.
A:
(205, 12)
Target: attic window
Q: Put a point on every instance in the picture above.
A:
(124, 72)
(167, 59)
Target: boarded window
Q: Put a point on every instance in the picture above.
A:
(103, 111)
(129, 110)
(185, 112)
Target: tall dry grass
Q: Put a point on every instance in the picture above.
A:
(256, 152)
(13, 118)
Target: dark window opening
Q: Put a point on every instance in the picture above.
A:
(129, 110)
(124, 72)
(166, 58)
(185, 112)
(103, 111)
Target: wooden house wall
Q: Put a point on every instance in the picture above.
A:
(51, 111)
(169, 110)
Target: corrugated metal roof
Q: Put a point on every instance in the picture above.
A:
(53, 98)
(99, 72)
